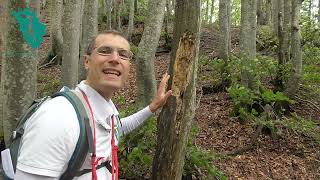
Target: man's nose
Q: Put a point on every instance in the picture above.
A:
(114, 57)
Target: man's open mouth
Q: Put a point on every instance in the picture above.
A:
(111, 71)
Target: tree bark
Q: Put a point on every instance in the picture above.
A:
(89, 31)
(319, 14)
(212, 11)
(293, 83)
(131, 19)
(275, 12)
(3, 28)
(286, 29)
(281, 51)
(174, 122)
(260, 20)
(19, 69)
(71, 34)
(224, 37)
(119, 7)
(56, 13)
(146, 52)
(136, 6)
(108, 14)
(248, 40)
(248, 28)
(268, 12)
(207, 11)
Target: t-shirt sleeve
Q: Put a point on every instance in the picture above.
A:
(49, 139)
(131, 122)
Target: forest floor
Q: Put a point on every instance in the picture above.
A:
(290, 156)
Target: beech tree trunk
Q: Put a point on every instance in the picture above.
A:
(176, 117)
(293, 83)
(56, 13)
(89, 31)
(286, 29)
(119, 8)
(281, 51)
(248, 28)
(212, 11)
(275, 12)
(225, 40)
(319, 14)
(268, 12)
(260, 20)
(71, 35)
(108, 14)
(248, 40)
(19, 68)
(131, 18)
(146, 52)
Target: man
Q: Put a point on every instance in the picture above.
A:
(50, 138)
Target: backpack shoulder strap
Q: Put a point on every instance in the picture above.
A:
(84, 143)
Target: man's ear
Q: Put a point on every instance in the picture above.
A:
(86, 60)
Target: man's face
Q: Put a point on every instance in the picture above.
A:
(106, 67)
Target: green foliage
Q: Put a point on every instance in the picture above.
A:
(248, 104)
(266, 40)
(210, 70)
(201, 159)
(136, 151)
(236, 12)
(262, 68)
(306, 127)
(311, 69)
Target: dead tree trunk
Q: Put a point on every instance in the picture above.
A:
(175, 120)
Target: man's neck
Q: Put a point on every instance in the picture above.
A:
(107, 96)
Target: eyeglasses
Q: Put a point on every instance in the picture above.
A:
(107, 51)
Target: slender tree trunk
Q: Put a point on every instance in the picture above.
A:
(248, 40)
(212, 11)
(260, 20)
(3, 29)
(293, 83)
(89, 31)
(136, 6)
(166, 22)
(268, 12)
(224, 37)
(275, 12)
(71, 34)
(207, 11)
(286, 29)
(108, 14)
(131, 18)
(56, 13)
(119, 7)
(147, 48)
(248, 28)
(281, 51)
(19, 67)
(319, 14)
(175, 120)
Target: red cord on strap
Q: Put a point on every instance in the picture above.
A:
(114, 164)
(94, 160)
(114, 151)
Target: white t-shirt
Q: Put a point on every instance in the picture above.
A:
(52, 132)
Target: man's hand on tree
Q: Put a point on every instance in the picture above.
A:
(162, 95)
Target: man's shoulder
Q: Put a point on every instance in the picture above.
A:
(53, 112)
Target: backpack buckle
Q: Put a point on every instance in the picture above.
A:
(14, 134)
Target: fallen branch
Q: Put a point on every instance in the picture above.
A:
(306, 101)
(49, 63)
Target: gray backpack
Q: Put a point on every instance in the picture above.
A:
(84, 143)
